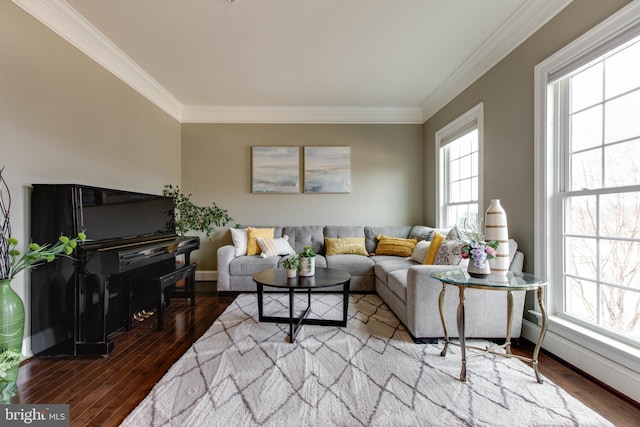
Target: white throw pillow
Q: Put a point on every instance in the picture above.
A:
(420, 251)
(274, 247)
(239, 238)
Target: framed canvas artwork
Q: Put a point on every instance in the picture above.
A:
(275, 169)
(327, 169)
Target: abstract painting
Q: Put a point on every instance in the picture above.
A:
(327, 169)
(275, 169)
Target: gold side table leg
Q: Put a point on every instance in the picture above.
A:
(543, 331)
(463, 348)
(509, 321)
(444, 323)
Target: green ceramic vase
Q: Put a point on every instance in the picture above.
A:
(11, 318)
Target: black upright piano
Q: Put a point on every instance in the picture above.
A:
(77, 303)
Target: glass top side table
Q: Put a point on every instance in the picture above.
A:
(510, 283)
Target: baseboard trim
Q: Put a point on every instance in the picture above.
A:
(614, 375)
(206, 275)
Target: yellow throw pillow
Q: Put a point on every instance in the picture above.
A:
(345, 245)
(395, 246)
(436, 241)
(252, 244)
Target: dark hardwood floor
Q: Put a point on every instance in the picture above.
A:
(101, 391)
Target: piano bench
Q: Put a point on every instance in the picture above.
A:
(159, 283)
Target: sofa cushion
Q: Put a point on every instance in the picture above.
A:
(371, 234)
(252, 243)
(239, 238)
(343, 231)
(356, 265)
(395, 246)
(456, 234)
(398, 284)
(274, 247)
(306, 235)
(513, 247)
(382, 269)
(420, 251)
(436, 241)
(449, 252)
(345, 245)
(250, 265)
(421, 232)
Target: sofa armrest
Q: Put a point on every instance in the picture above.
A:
(225, 255)
(423, 315)
(518, 263)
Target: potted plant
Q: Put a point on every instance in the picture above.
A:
(291, 264)
(12, 262)
(190, 217)
(307, 262)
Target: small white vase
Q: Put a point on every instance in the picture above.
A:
(292, 273)
(478, 272)
(495, 228)
(307, 266)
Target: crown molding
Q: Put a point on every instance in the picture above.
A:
(270, 114)
(64, 20)
(527, 20)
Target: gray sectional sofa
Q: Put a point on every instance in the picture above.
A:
(404, 285)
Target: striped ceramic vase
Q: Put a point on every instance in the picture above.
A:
(495, 228)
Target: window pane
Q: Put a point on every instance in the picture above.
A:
(451, 213)
(586, 170)
(623, 71)
(620, 215)
(454, 170)
(474, 192)
(465, 167)
(455, 192)
(619, 262)
(621, 118)
(622, 164)
(586, 129)
(473, 213)
(474, 140)
(581, 257)
(460, 170)
(454, 150)
(580, 215)
(581, 299)
(465, 190)
(586, 88)
(620, 308)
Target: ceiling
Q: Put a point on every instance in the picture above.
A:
(317, 61)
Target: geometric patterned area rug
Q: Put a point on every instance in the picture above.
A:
(245, 373)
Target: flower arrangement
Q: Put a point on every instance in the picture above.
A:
(476, 248)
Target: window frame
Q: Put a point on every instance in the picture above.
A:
(588, 349)
(470, 120)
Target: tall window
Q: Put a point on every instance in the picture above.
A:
(459, 169)
(593, 103)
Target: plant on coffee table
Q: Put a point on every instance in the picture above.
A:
(307, 262)
(291, 264)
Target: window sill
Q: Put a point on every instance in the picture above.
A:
(606, 346)
(614, 363)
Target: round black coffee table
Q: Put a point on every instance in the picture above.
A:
(323, 278)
